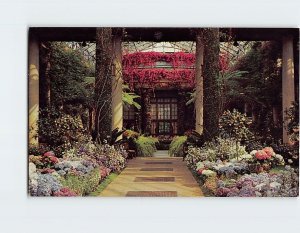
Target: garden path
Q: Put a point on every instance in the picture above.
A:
(154, 177)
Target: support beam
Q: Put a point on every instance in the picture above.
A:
(103, 84)
(288, 85)
(199, 82)
(211, 98)
(33, 101)
(117, 82)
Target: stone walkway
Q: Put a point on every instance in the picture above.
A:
(154, 177)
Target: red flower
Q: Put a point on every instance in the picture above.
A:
(261, 155)
(199, 171)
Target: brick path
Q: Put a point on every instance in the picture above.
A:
(154, 176)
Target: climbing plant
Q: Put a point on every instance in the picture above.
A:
(211, 103)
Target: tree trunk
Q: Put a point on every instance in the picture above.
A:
(103, 83)
(210, 83)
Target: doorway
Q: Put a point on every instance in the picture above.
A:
(164, 116)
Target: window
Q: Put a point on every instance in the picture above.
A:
(164, 116)
(128, 116)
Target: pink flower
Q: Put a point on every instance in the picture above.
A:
(269, 151)
(261, 155)
(47, 170)
(53, 159)
(49, 153)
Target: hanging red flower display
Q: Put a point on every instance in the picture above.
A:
(141, 68)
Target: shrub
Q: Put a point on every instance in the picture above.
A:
(145, 146)
(293, 122)
(235, 125)
(57, 128)
(219, 148)
(38, 149)
(82, 184)
(105, 155)
(177, 146)
(131, 134)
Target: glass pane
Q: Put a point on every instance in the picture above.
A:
(153, 111)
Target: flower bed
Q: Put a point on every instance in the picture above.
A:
(260, 173)
(78, 173)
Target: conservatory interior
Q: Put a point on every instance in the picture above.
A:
(163, 111)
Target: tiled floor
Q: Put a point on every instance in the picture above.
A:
(154, 176)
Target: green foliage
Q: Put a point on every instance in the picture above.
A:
(235, 125)
(104, 184)
(115, 134)
(211, 100)
(229, 86)
(293, 122)
(82, 184)
(145, 146)
(192, 97)
(177, 146)
(195, 139)
(261, 86)
(219, 148)
(131, 134)
(67, 74)
(129, 97)
(57, 127)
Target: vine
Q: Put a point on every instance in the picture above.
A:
(140, 67)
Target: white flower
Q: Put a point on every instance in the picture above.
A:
(200, 165)
(246, 156)
(290, 161)
(253, 152)
(209, 173)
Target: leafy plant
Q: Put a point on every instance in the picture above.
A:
(235, 125)
(57, 127)
(129, 97)
(67, 74)
(293, 122)
(145, 146)
(217, 149)
(115, 134)
(177, 146)
(195, 139)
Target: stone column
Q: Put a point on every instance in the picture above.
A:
(33, 101)
(199, 82)
(288, 86)
(117, 82)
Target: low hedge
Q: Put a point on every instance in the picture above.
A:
(145, 146)
(176, 146)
